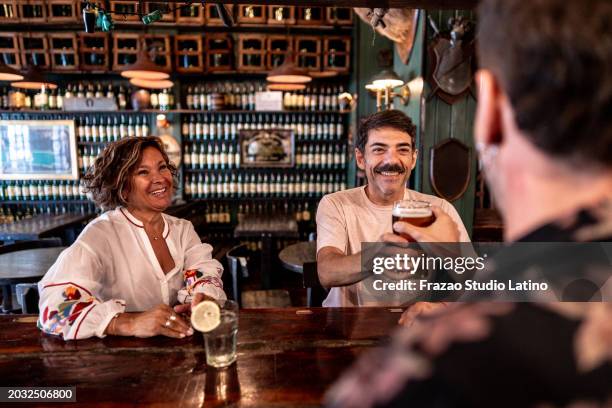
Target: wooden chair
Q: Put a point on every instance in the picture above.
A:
(315, 292)
(238, 258)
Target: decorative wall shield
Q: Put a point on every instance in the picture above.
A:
(450, 168)
(451, 55)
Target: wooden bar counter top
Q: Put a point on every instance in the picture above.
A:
(286, 358)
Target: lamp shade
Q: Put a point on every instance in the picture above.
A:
(289, 73)
(152, 84)
(9, 74)
(285, 87)
(33, 79)
(144, 68)
(387, 79)
(322, 74)
(374, 88)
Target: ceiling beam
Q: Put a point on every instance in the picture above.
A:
(424, 4)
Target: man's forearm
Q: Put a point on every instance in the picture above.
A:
(340, 270)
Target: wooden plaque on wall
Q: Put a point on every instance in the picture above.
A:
(450, 169)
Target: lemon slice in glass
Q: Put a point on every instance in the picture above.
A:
(206, 316)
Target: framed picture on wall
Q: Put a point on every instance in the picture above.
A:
(38, 150)
(266, 148)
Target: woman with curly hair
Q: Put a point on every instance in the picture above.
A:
(130, 265)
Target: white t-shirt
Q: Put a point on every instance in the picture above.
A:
(112, 268)
(347, 218)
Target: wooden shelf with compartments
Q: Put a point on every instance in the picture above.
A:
(310, 16)
(125, 49)
(308, 51)
(281, 15)
(337, 53)
(251, 52)
(278, 48)
(32, 11)
(9, 50)
(159, 47)
(8, 11)
(63, 48)
(219, 52)
(34, 50)
(188, 51)
(339, 16)
(195, 15)
(93, 51)
(212, 17)
(251, 14)
(122, 6)
(168, 17)
(63, 11)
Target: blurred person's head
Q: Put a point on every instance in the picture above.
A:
(386, 151)
(544, 118)
(134, 172)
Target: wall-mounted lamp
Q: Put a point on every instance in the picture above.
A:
(383, 86)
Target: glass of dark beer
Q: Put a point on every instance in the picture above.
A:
(417, 213)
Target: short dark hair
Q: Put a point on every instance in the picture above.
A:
(393, 119)
(113, 169)
(553, 59)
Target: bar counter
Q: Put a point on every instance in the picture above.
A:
(286, 358)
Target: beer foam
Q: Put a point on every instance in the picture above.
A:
(412, 212)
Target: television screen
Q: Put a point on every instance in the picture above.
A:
(41, 149)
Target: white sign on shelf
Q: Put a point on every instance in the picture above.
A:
(269, 101)
(90, 104)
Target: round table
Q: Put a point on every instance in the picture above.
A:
(25, 266)
(294, 256)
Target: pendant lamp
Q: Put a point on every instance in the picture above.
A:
(33, 79)
(144, 68)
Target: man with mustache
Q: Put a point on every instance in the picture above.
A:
(386, 152)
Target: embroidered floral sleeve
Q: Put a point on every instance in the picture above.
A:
(68, 303)
(202, 273)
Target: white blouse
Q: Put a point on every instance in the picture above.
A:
(111, 268)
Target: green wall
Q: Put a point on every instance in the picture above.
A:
(435, 119)
(444, 121)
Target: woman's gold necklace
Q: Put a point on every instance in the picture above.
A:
(154, 236)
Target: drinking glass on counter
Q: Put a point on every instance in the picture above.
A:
(218, 321)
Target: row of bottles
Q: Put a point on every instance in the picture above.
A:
(223, 213)
(87, 156)
(47, 190)
(92, 128)
(211, 156)
(313, 98)
(12, 213)
(241, 96)
(236, 95)
(306, 127)
(54, 99)
(262, 185)
(227, 156)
